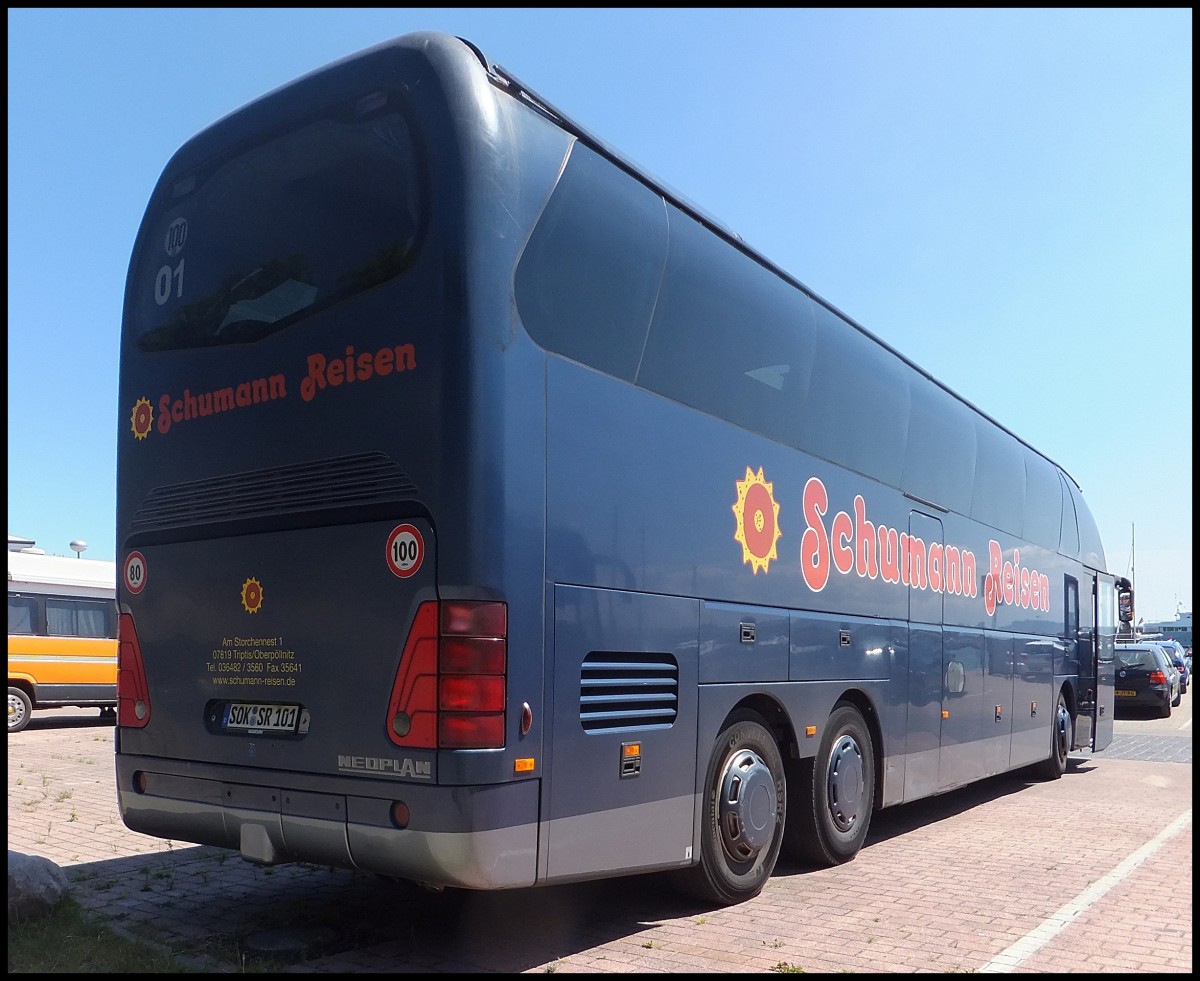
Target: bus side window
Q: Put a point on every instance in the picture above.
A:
(729, 337)
(857, 407)
(939, 455)
(1043, 502)
(586, 283)
(999, 498)
(75, 618)
(1071, 609)
(1068, 539)
(22, 614)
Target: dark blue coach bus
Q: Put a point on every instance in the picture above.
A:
(489, 517)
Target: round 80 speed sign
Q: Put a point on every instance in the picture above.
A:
(405, 551)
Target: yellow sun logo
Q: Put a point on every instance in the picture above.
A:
(143, 416)
(757, 516)
(252, 595)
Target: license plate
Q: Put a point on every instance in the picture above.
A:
(1127, 694)
(257, 717)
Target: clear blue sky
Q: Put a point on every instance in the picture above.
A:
(1004, 196)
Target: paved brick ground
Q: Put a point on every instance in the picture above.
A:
(1088, 874)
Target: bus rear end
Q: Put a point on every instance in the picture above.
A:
(297, 681)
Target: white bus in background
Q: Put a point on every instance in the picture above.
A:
(62, 633)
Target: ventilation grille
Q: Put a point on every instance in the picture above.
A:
(339, 483)
(628, 691)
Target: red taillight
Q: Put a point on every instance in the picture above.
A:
(471, 731)
(1157, 678)
(472, 655)
(472, 662)
(450, 691)
(463, 618)
(471, 693)
(412, 709)
(133, 694)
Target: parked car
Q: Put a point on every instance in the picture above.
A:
(1175, 651)
(1174, 671)
(1145, 677)
(1161, 645)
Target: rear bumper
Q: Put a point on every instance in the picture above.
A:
(1156, 697)
(469, 837)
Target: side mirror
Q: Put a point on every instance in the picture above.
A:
(1124, 601)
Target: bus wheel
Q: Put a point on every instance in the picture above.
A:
(833, 794)
(1062, 736)
(20, 708)
(743, 815)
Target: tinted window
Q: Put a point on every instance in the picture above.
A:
(586, 283)
(615, 278)
(1091, 551)
(999, 496)
(729, 336)
(1043, 501)
(1068, 538)
(78, 618)
(1071, 608)
(939, 458)
(22, 612)
(250, 243)
(857, 409)
(1127, 658)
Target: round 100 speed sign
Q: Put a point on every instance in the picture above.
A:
(405, 550)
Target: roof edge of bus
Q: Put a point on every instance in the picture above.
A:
(520, 90)
(38, 568)
(528, 95)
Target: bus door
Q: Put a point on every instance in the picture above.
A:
(925, 673)
(622, 774)
(1078, 655)
(1104, 629)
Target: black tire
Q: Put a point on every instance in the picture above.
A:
(20, 709)
(1062, 738)
(832, 796)
(1164, 712)
(1178, 698)
(743, 815)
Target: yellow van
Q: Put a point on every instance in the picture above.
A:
(62, 634)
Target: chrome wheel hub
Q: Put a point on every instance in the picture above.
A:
(845, 783)
(748, 805)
